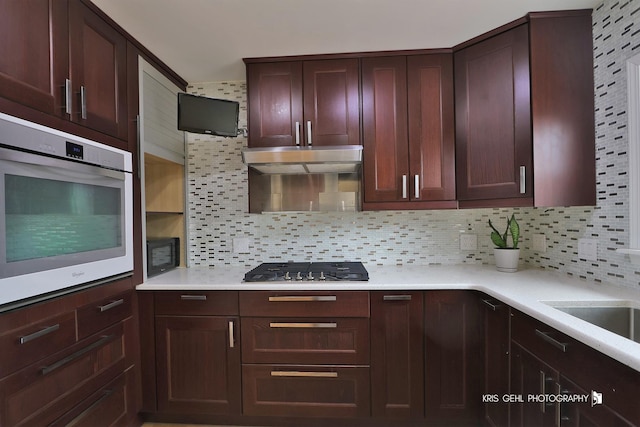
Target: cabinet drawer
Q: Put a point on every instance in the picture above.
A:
(544, 341)
(106, 407)
(306, 391)
(99, 315)
(40, 339)
(218, 303)
(44, 391)
(305, 341)
(305, 303)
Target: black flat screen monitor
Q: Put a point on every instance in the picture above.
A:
(200, 114)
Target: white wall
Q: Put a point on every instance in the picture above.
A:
(218, 196)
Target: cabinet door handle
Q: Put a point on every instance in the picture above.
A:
(490, 304)
(78, 419)
(523, 179)
(112, 304)
(396, 298)
(326, 325)
(48, 369)
(297, 134)
(193, 297)
(232, 340)
(544, 379)
(68, 94)
(83, 103)
(296, 298)
(404, 186)
(42, 332)
(548, 338)
(301, 374)
(416, 186)
(309, 137)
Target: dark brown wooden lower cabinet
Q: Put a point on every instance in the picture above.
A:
(532, 377)
(306, 391)
(198, 365)
(106, 407)
(589, 414)
(397, 355)
(453, 358)
(497, 341)
(49, 389)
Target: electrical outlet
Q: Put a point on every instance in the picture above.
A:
(539, 243)
(588, 249)
(468, 242)
(240, 245)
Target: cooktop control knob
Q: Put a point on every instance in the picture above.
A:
(299, 276)
(287, 276)
(322, 276)
(310, 276)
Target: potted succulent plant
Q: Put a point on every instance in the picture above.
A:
(507, 256)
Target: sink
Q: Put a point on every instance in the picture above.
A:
(623, 320)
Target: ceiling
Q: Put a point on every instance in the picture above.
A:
(205, 40)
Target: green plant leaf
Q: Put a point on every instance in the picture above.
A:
(514, 228)
(497, 240)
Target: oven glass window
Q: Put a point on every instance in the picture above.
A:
(47, 218)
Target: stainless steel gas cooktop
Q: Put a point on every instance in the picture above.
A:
(307, 271)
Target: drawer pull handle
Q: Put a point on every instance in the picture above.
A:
(47, 330)
(112, 304)
(105, 395)
(491, 305)
(193, 297)
(232, 341)
(396, 298)
(548, 338)
(303, 298)
(48, 369)
(300, 374)
(303, 325)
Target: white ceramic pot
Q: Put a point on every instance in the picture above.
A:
(507, 259)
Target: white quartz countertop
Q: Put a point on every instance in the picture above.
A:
(531, 291)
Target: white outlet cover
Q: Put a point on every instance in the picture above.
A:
(539, 242)
(468, 242)
(240, 245)
(588, 249)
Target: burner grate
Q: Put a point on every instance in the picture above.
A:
(307, 271)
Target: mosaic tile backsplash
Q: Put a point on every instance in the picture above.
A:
(218, 196)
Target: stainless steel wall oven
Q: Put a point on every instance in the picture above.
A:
(65, 210)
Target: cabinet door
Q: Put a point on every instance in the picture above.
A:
(275, 103)
(493, 118)
(453, 370)
(198, 364)
(587, 414)
(531, 376)
(34, 54)
(397, 355)
(384, 118)
(331, 102)
(496, 359)
(98, 73)
(431, 127)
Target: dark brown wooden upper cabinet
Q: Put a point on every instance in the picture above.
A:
(303, 103)
(34, 57)
(98, 64)
(61, 58)
(524, 100)
(408, 132)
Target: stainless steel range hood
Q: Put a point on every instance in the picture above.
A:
(304, 160)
